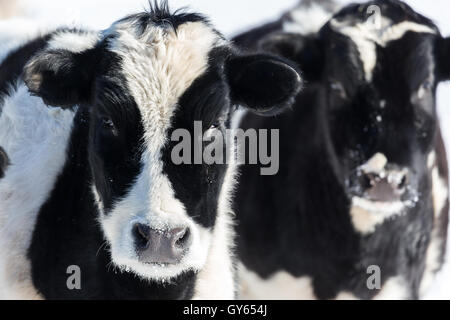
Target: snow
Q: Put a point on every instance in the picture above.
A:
(230, 17)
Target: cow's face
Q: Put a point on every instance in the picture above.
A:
(379, 76)
(145, 77)
(380, 87)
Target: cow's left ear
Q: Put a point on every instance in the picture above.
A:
(263, 83)
(62, 78)
(443, 58)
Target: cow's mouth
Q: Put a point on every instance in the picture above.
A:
(378, 191)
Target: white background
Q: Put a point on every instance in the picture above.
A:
(230, 17)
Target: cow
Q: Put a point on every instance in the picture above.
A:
(359, 208)
(92, 205)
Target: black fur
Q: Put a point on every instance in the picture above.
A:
(12, 66)
(298, 221)
(262, 83)
(159, 14)
(4, 162)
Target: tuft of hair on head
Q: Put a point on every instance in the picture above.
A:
(159, 14)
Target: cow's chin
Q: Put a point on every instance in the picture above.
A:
(379, 207)
(124, 259)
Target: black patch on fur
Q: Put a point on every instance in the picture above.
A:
(265, 84)
(443, 61)
(4, 162)
(207, 100)
(114, 152)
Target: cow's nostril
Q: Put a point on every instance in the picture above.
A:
(402, 183)
(181, 237)
(141, 234)
(366, 181)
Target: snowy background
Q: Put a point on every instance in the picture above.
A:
(230, 17)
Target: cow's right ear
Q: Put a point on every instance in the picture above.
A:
(62, 78)
(306, 51)
(263, 83)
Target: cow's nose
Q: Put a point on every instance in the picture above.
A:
(386, 186)
(160, 246)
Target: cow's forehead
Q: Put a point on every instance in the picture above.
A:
(159, 64)
(380, 30)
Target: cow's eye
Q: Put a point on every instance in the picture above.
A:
(338, 88)
(215, 125)
(108, 125)
(427, 85)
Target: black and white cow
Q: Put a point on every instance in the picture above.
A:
(362, 189)
(90, 185)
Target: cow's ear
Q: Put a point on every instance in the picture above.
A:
(62, 78)
(263, 83)
(306, 51)
(443, 58)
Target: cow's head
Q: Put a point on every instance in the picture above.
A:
(141, 79)
(380, 63)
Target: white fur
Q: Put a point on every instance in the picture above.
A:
(280, 286)
(367, 215)
(376, 164)
(35, 138)
(367, 35)
(73, 41)
(283, 286)
(439, 192)
(307, 20)
(440, 197)
(395, 288)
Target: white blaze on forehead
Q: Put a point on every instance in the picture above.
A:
(367, 35)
